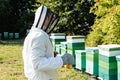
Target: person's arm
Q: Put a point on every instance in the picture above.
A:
(39, 61)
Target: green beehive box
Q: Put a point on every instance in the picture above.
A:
(107, 61)
(63, 47)
(56, 38)
(27, 31)
(75, 43)
(5, 35)
(0, 35)
(80, 59)
(79, 45)
(58, 48)
(110, 50)
(72, 52)
(107, 67)
(16, 35)
(92, 57)
(77, 38)
(11, 35)
(118, 67)
(63, 44)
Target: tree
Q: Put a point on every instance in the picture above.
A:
(106, 29)
(17, 15)
(23, 10)
(5, 16)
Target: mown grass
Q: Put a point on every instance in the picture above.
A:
(11, 65)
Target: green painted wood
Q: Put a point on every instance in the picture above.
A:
(107, 71)
(110, 47)
(57, 41)
(110, 65)
(5, 35)
(11, 35)
(17, 36)
(58, 34)
(107, 67)
(75, 37)
(92, 58)
(107, 77)
(118, 76)
(118, 67)
(58, 49)
(107, 59)
(0, 35)
(63, 50)
(56, 38)
(72, 52)
(76, 45)
(80, 59)
(63, 47)
(63, 44)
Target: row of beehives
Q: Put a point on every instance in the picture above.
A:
(102, 61)
(9, 35)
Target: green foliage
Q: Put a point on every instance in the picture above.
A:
(106, 29)
(16, 15)
(75, 16)
(4, 15)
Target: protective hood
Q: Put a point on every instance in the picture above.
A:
(45, 19)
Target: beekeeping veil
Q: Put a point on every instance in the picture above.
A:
(45, 19)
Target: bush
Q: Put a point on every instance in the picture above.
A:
(106, 29)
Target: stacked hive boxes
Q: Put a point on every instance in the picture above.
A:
(92, 60)
(17, 35)
(118, 67)
(63, 47)
(0, 36)
(11, 35)
(58, 48)
(107, 61)
(56, 38)
(75, 43)
(80, 59)
(5, 35)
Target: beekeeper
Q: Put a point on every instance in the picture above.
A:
(38, 57)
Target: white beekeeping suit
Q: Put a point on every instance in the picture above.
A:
(38, 57)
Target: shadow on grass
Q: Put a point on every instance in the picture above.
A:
(12, 41)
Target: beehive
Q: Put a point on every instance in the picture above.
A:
(16, 35)
(63, 47)
(92, 60)
(118, 67)
(80, 59)
(107, 61)
(5, 35)
(0, 36)
(75, 43)
(56, 38)
(58, 48)
(11, 35)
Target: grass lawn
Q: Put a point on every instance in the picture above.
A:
(11, 65)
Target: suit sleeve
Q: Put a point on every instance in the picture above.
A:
(39, 61)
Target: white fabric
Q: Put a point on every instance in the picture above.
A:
(39, 60)
(37, 16)
(42, 17)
